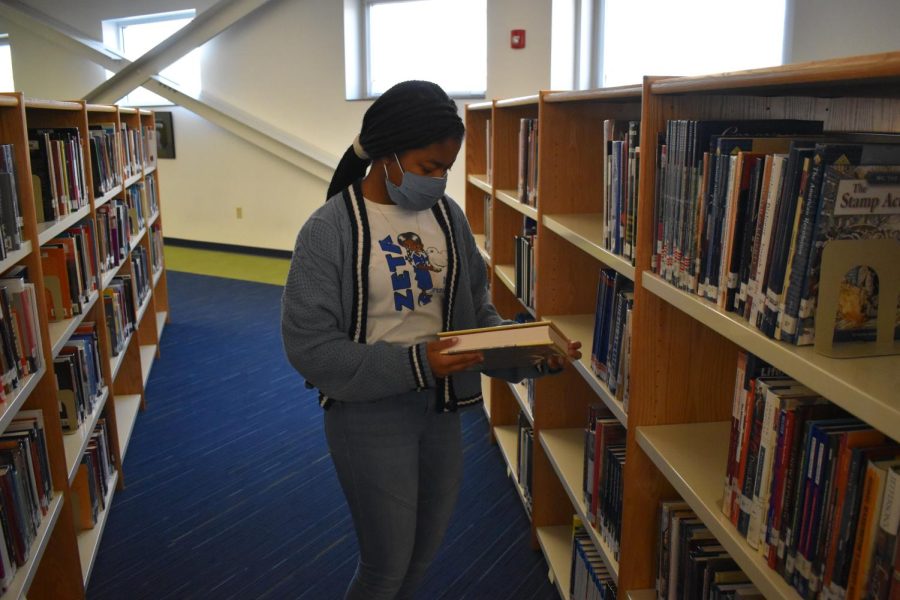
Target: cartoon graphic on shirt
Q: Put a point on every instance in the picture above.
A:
(420, 260)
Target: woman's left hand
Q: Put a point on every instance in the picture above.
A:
(556, 363)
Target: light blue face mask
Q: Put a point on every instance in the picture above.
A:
(415, 192)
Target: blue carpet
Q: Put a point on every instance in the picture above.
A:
(230, 492)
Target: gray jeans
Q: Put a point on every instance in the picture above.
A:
(400, 464)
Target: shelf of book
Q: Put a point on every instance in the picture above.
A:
(508, 441)
(14, 257)
(76, 442)
(148, 355)
(509, 197)
(89, 539)
(507, 274)
(107, 196)
(556, 542)
(865, 387)
(692, 457)
(585, 231)
(481, 182)
(132, 180)
(20, 396)
(61, 331)
(18, 589)
(111, 273)
(115, 362)
(50, 229)
(565, 450)
(127, 408)
(581, 328)
(479, 242)
(520, 393)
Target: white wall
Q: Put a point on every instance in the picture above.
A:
(820, 30)
(284, 64)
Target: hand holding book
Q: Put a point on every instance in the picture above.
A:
(513, 346)
(443, 364)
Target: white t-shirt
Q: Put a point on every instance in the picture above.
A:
(407, 268)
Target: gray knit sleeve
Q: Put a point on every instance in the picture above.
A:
(311, 328)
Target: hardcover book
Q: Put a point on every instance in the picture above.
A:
(509, 346)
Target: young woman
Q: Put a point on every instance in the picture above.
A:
(386, 263)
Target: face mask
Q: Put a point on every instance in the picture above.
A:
(415, 192)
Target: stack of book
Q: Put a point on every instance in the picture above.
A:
(691, 562)
(79, 377)
(152, 203)
(90, 487)
(114, 233)
(528, 160)
(120, 301)
(590, 578)
(489, 158)
(611, 347)
(602, 483)
(148, 139)
(106, 158)
(744, 209)
(621, 161)
(525, 272)
(26, 488)
(133, 150)
(140, 269)
(57, 169)
(156, 246)
(20, 355)
(10, 210)
(814, 490)
(523, 457)
(70, 271)
(137, 201)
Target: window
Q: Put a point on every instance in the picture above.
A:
(691, 37)
(134, 36)
(6, 71)
(389, 41)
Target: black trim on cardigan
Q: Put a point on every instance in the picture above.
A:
(446, 397)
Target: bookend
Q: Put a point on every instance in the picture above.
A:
(838, 257)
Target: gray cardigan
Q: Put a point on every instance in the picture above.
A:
(324, 309)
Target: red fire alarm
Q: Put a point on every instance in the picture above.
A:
(517, 38)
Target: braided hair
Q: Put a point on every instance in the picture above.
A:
(411, 114)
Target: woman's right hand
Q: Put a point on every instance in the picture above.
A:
(445, 364)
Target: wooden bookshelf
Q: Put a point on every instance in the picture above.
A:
(684, 349)
(62, 556)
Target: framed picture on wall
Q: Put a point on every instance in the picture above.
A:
(165, 135)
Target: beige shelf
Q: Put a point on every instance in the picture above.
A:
(137, 238)
(507, 274)
(50, 229)
(692, 457)
(148, 355)
(20, 395)
(61, 331)
(585, 232)
(479, 242)
(520, 101)
(508, 441)
(127, 407)
(481, 182)
(98, 202)
(581, 328)
(75, 443)
(14, 257)
(486, 105)
(520, 393)
(486, 394)
(556, 542)
(565, 450)
(25, 575)
(115, 362)
(152, 219)
(142, 309)
(89, 539)
(160, 322)
(149, 169)
(133, 180)
(866, 387)
(627, 93)
(157, 276)
(109, 275)
(510, 198)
